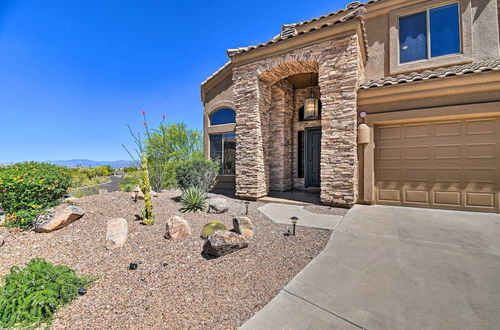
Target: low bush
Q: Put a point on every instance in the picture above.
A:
(26, 189)
(196, 172)
(130, 181)
(211, 227)
(193, 199)
(90, 176)
(30, 296)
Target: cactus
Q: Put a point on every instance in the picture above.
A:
(147, 213)
(211, 227)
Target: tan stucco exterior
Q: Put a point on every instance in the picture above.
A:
(454, 97)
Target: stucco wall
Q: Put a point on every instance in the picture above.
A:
(484, 34)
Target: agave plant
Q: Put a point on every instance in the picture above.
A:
(193, 200)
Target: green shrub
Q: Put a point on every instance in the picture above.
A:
(90, 176)
(30, 296)
(193, 200)
(21, 219)
(130, 181)
(211, 227)
(196, 172)
(32, 186)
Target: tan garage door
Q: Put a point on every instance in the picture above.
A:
(451, 164)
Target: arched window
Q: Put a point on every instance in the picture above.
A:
(223, 116)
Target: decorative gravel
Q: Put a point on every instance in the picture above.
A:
(321, 209)
(174, 286)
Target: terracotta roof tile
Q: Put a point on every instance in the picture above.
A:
(491, 65)
(288, 33)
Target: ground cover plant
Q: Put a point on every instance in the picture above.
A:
(27, 189)
(30, 296)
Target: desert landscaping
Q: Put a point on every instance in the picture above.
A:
(174, 285)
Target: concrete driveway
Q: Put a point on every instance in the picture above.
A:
(397, 268)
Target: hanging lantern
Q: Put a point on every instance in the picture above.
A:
(311, 105)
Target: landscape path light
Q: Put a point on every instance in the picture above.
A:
(294, 223)
(246, 207)
(136, 194)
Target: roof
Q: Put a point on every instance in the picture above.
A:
(219, 70)
(349, 6)
(289, 31)
(457, 70)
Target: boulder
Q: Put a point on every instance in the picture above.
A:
(177, 228)
(217, 205)
(223, 242)
(243, 226)
(116, 233)
(60, 217)
(140, 194)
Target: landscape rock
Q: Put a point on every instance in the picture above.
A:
(140, 194)
(243, 226)
(2, 219)
(217, 205)
(70, 200)
(60, 217)
(223, 242)
(177, 228)
(116, 233)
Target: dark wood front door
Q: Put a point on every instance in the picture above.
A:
(312, 157)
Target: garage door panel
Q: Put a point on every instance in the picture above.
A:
(447, 151)
(452, 164)
(448, 128)
(448, 198)
(481, 126)
(477, 199)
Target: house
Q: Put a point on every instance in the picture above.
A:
(391, 102)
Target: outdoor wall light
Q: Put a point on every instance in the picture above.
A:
(311, 104)
(246, 207)
(294, 223)
(136, 195)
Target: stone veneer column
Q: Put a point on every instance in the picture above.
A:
(250, 131)
(280, 132)
(338, 81)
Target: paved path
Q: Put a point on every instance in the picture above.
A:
(396, 268)
(281, 213)
(113, 185)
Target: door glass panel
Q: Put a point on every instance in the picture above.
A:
(229, 154)
(445, 30)
(413, 37)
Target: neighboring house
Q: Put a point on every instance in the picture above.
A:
(392, 102)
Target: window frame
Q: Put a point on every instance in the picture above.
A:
(428, 32)
(465, 23)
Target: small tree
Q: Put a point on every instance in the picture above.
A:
(147, 213)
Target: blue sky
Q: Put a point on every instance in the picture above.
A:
(73, 73)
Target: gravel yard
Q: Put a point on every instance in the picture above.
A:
(174, 286)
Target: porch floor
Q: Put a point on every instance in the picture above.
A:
(292, 197)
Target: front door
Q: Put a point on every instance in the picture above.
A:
(312, 157)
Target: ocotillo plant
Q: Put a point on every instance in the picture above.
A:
(147, 213)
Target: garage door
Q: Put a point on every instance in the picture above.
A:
(451, 164)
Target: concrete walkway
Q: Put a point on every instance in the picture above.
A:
(281, 213)
(396, 268)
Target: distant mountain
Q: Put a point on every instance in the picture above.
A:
(93, 163)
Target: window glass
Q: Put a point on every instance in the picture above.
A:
(445, 30)
(223, 149)
(413, 37)
(223, 116)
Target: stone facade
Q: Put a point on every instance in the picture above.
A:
(266, 135)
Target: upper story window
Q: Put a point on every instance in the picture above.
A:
(431, 33)
(223, 116)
